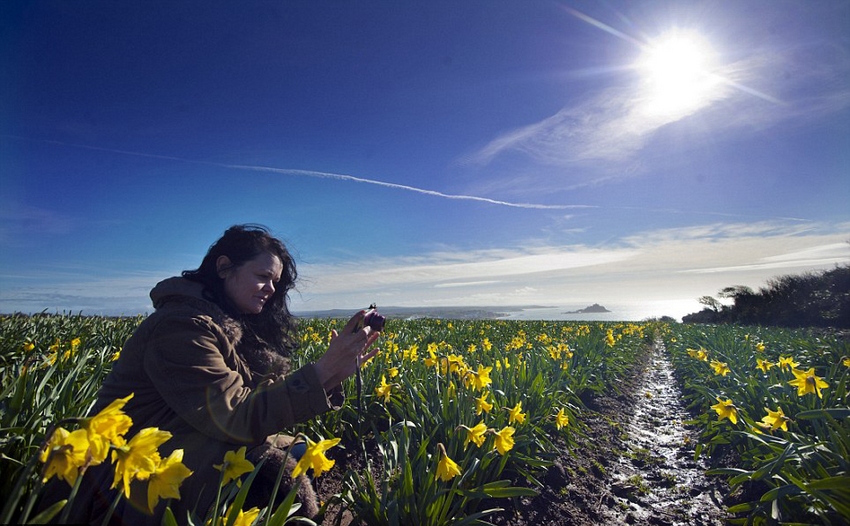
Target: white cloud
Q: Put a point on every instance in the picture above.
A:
(465, 284)
(669, 267)
(445, 269)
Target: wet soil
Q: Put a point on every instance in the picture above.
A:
(634, 464)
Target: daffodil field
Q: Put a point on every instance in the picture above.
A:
(452, 418)
(776, 400)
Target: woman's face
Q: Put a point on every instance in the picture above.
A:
(250, 285)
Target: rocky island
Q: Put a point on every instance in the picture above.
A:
(592, 309)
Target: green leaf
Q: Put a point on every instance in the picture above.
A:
(239, 501)
(836, 483)
(838, 413)
(168, 518)
(742, 508)
(781, 492)
(47, 515)
(283, 511)
(728, 471)
(509, 492)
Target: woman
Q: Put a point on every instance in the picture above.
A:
(208, 366)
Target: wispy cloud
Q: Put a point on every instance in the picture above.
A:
(18, 218)
(669, 264)
(811, 257)
(446, 270)
(465, 284)
(611, 126)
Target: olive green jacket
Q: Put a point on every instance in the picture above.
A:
(186, 377)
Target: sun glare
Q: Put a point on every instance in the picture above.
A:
(676, 72)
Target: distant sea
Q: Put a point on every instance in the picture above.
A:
(636, 311)
(618, 313)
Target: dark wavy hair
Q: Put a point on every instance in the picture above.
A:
(274, 325)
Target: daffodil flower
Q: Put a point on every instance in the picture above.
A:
(787, 363)
(447, 469)
(764, 365)
(384, 390)
(314, 458)
(108, 427)
(504, 439)
(166, 479)
(700, 354)
(516, 414)
(726, 409)
(774, 420)
(807, 382)
(137, 459)
(234, 466)
(481, 404)
(65, 454)
(243, 518)
(411, 353)
(720, 368)
(477, 434)
(481, 379)
(561, 419)
(456, 363)
(247, 518)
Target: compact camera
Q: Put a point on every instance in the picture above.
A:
(372, 319)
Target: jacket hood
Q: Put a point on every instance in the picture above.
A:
(173, 288)
(181, 291)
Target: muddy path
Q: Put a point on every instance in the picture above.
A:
(656, 480)
(634, 464)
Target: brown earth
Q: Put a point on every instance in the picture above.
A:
(633, 465)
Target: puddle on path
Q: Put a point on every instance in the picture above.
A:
(657, 480)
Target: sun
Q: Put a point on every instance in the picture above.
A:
(677, 73)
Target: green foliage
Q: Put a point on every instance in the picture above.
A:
(814, 299)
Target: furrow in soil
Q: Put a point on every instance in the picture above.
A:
(656, 479)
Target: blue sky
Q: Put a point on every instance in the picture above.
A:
(438, 153)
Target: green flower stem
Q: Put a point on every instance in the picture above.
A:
(63, 518)
(112, 507)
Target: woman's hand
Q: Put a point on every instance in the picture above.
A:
(346, 352)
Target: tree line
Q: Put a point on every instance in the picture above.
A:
(812, 299)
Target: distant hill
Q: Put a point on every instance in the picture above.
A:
(592, 309)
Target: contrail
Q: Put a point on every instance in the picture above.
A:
(352, 178)
(355, 179)
(319, 175)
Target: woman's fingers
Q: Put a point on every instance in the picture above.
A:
(368, 356)
(354, 322)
